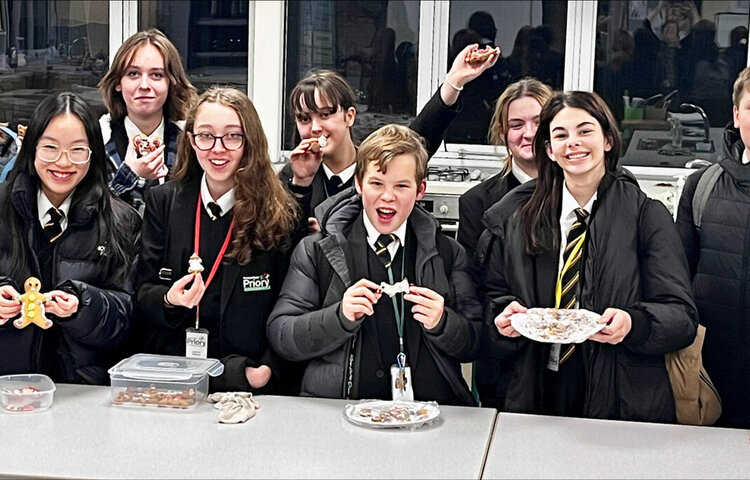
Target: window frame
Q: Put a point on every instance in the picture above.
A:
(267, 21)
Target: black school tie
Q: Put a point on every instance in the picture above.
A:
(333, 185)
(381, 248)
(52, 229)
(215, 210)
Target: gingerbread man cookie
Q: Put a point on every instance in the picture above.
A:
(32, 305)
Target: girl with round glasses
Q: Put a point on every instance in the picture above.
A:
(62, 225)
(146, 92)
(227, 207)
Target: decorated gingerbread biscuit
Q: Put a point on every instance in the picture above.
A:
(195, 264)
(32, 305)
(144, 144)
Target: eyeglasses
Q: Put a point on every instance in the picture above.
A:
(51, 153)
(206, 141)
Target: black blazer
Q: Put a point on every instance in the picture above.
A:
(476, 201)
(167, 243)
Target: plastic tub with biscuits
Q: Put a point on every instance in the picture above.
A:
(145, 380)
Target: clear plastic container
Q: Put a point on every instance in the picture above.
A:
(162, 381)
(26, 393)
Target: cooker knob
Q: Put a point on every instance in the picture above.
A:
(475, 174)
(443, 209)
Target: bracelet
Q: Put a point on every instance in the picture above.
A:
(458, 89)
(167, 302)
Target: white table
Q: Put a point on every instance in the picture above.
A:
(82, 436)
(533, 446)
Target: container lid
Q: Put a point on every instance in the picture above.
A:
(144, 366)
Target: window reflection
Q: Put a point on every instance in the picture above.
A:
(372, 44)
(211, 37)
(50, 46)
(531, 35)
(653, 57)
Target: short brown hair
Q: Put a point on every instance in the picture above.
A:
(387, 142)
(741, 85)
(181, 93)
(526, 87)
(264, 211)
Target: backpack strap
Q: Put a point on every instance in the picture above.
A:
(703, 190)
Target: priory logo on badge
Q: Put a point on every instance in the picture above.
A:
(256, 283)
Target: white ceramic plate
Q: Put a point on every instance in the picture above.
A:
(391, 414)
(550, 325)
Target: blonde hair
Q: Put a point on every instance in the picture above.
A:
(387, 142)
(741, 85)
(181, 92)
(526, 87)
(264, 211)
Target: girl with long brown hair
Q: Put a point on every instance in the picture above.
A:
(227, 214)
(147, 92)
(584, 236)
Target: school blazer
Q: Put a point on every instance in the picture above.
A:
(248, 292)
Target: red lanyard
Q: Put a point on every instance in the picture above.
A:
(197, 241)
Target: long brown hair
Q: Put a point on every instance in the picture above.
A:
(181, 93)
(264, 212)
(526, 87)
(540, 214)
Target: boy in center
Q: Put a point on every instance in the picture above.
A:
(359, 342)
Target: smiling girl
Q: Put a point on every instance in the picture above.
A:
(631, 270)
(226, 205)
(61, 225)
(146, 92)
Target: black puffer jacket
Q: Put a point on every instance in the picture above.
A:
(306, 323)
(719, 257)
(87, 343)
(633, 261)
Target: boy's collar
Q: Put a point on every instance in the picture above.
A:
(373, 234)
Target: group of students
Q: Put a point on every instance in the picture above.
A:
(292, 297)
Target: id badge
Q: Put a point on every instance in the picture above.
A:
(553, 361)
(196, 343)
(401, 386)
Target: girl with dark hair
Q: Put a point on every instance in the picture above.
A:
(323, 107)
(146, 92)
(626, 264)
(61, 225)
(226, 205)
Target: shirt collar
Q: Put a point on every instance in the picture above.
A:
(745, 159)
(226, 201)
(43, 205)
(517, 172)
(345, 175)
(132, 130)
(373, 234)
(569, 203)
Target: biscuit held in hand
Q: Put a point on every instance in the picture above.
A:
(32, 305)
(479, 56)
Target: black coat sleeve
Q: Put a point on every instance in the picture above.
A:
(685, 226)
(434, 120)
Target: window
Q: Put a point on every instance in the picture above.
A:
(531, 35)
(211, 36)
(48, 47)
(372, 44)
(666, 69)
